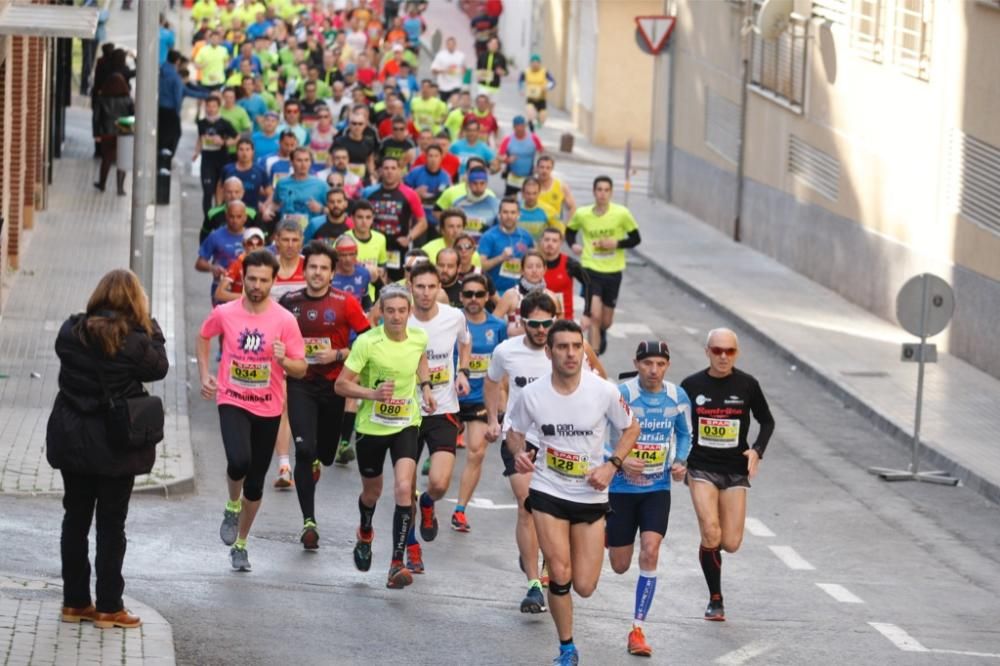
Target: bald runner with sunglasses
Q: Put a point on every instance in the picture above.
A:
(722, 461)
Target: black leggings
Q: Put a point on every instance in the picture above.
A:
(315, 413)
(249, 442)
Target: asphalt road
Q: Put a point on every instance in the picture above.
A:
(916, 566)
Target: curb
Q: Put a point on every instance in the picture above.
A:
(968, 477)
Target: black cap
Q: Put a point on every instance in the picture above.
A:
(649, 348)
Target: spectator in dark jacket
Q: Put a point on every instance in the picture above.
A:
(112, 103)
(116, 335)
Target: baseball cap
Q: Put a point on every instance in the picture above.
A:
(272, 114)
(520, 120)
(535, 57)
(250, 232)
(351, 69)
(478, 176)
(649, 348)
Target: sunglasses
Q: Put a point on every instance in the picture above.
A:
(464, 248)
(356, 124)
(539, 323)
(719, 351)
(473, 294)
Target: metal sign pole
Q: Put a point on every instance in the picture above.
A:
(922, 327)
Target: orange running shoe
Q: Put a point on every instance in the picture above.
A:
(637, 644)
(415, 558)
(399, 576)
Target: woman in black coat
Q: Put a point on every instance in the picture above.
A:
(117, 339)
(114, 102)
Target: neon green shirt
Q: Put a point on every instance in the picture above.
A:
(453, 123)
(212, 60)
(376, 358)
(437, 245)
(371, 255)
(428, 114)
(204, 9)
(616, 222)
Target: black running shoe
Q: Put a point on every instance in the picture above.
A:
(715, 612)
(363, 551)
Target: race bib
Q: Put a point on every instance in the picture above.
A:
(357, 169)
(393, 259)
(602, 252)
(572, 466)
(534, 91)
(393, 412)
(440, 375)
(718, 433)
(314, 345)
(484, 75)
(511, 268)
(478, 365)
(515, 181)
(254, 375)
(474, 224)
(653, 456)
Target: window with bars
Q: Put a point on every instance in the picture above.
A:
(912, 35)
(867, 25)
(778, 67)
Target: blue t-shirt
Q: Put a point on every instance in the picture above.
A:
(523, 151)
(464, 151)
(533, 220)
(436, 184)
(294, 195)
(264, 146)
(413, 26)
(485, 338)
(356, 285)
(253, 179)
(256, 106)
(507, 273)
(665, 418)
(221, 247)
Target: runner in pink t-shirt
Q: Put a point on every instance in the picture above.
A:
(261, 343)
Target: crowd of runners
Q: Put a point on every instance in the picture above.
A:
(372, 297)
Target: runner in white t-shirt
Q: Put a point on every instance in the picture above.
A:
(446, 330)
(572, 412)
(521, 361)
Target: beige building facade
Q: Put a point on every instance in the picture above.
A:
(872, 142)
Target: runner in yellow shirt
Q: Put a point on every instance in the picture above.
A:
(607, 230)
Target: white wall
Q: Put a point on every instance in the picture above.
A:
(515, 31)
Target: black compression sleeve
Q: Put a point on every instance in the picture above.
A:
(571, 237)
(762, 412)
(631, 241)
(576, 271)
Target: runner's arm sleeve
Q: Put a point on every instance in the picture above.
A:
(762, 412)
(551, 80)
(576, 271)
(570, 235)
(682, 426)
(631, 240)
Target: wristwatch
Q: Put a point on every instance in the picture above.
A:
(616, 461)
(426, 382)
(466, 372)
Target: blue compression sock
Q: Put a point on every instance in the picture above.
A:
(411, 536)
(426, 501)
(645, 587)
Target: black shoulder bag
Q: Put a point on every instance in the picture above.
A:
(132, 423)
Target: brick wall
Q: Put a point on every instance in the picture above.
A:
(18, 65)
(4, 165)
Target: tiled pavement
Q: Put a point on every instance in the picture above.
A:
(31, 632)
(82, 235)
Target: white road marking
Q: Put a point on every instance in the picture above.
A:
(840, 593)
(791, 558)
(744, 654)
(690, 331)
(757, 528)
(908, 643)
(483, 503)
(898, 637)
(623, 329)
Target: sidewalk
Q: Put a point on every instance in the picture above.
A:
(81, 236)
(31, 631)
(850, 351)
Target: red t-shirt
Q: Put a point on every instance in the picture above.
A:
(325, 323)
(487, 124)
(385, 129)
(560, 282)
(449, 162)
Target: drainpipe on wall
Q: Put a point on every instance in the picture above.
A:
(745, 32)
